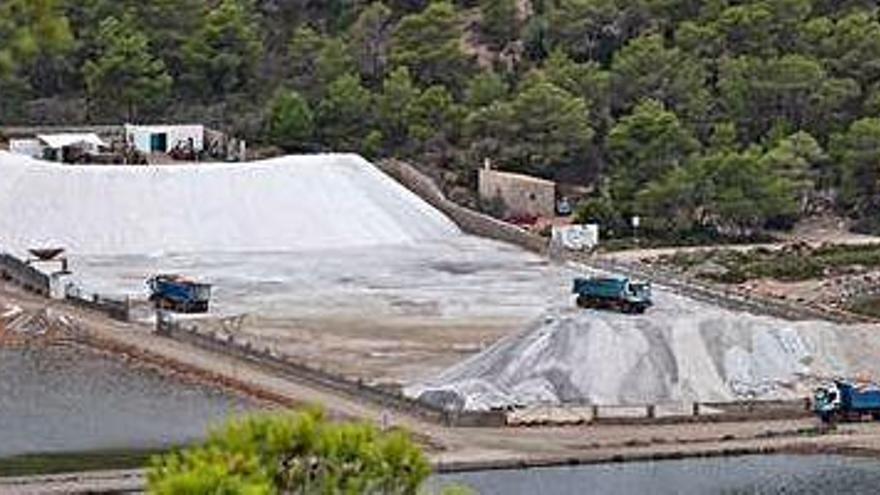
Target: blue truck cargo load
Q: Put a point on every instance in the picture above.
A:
(177, 293)
(843, 400)
(618, 293)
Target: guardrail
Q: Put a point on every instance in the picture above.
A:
(27, 277)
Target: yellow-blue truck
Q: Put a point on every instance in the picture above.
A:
(615, 293)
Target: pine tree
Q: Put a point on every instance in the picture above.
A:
(125, 71)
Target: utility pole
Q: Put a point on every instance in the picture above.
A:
(635, 225)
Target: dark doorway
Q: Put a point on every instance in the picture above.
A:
(159, 142)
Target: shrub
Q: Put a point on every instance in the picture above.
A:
(293, 453)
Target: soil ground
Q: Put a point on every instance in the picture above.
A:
(391, 315)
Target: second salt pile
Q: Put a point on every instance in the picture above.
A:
(680, 351)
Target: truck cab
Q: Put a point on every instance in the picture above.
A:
(826, 402)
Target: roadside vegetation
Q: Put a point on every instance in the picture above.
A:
(867, 305)
(790, 264)
(706, 119)
(841, 277)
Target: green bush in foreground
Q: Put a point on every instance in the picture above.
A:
(300, 453)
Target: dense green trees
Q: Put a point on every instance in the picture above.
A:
(291, 123)
(857, 154)
(35, 35)
(221, 56)
(125, 73)
(429, 44)
(344, 115)
(645, 146)
(734, 192)
(499, 21)
(543, 127)
(369, 38)
(650, 103)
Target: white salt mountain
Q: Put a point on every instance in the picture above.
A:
(285, 204)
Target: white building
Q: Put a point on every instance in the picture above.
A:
(55, 147)
(30, 147)
(164, 138)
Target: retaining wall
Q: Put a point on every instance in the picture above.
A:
(467, 220)
(114, 308)
(357, 389)
(27, 277)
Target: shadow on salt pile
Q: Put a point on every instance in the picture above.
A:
(685, 352)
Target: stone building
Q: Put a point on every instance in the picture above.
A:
(521, 195)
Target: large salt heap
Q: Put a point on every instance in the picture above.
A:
(680, 351)
(286, 204)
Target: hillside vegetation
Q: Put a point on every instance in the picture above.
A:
(718, 116)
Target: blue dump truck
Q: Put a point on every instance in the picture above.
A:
(616, 293)
(179, 294)
(845, 401)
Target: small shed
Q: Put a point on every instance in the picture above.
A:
(30, 147)
(521, 195)
(63, 147)
(165, 138)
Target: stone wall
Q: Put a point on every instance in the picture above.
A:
(467, 220)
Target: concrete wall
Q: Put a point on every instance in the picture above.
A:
(522, 195)
(467, 220)
(27, 277)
